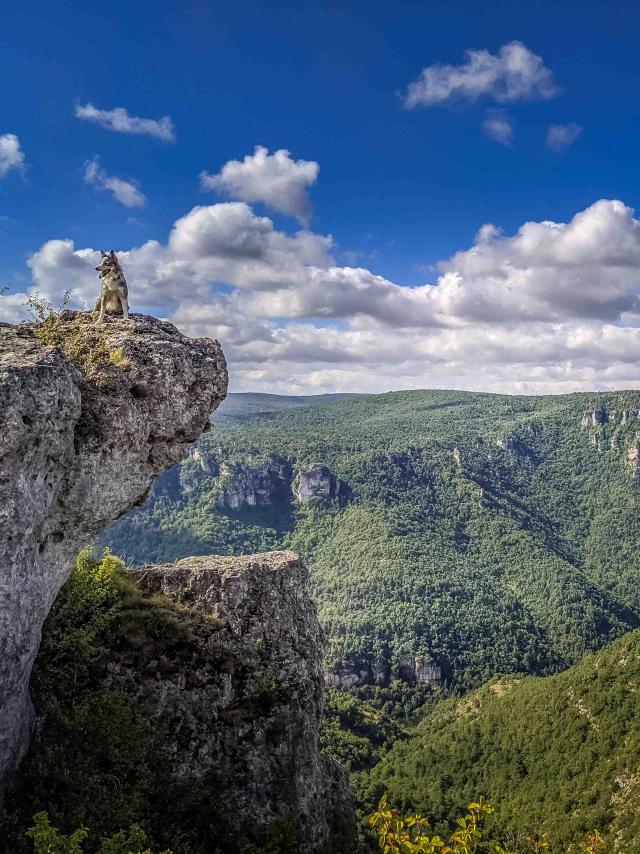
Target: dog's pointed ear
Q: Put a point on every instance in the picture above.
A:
(103, 254)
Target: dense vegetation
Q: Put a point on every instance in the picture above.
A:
(240, 407)
(395, 834)
(560, 755)
(47, 839)
(485, 533)
(413, 834)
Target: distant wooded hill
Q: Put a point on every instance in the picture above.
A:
(558, 755)
(241, 405)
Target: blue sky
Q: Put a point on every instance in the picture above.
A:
(398, 189)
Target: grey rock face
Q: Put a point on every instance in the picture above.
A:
(252, 721)
(633, 458)
(252, 482)
(427, 672)
(242, 485)
(593, 417)
(411, 670)
(621, 438)
(81, 439)
(509, 443)
(207, 465)
(346, 677)
(318, 482)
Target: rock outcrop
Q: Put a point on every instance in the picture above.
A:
(510, 442)
(319, 482)
(418, 670)
(617, 430)
(243, 485)
(88, 417)
(633, 458)
(410, 670)
(207, 464)
(593, 417)
(242, 702)
(258, 482)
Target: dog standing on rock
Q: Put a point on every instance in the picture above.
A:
(114, 293)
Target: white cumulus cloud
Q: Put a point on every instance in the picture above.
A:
(275, 179)
(561, 137)
(548, 271)
(120, 121)
(553, 307)
(497, 125)
(514, 73)
(11, 154)
(125, 192)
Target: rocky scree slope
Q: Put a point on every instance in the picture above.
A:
(88, 417)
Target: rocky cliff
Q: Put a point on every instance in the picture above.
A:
(250, 482)
(319, 482)
(414, 671)
(241, 700)
(616, 430)
(88, 417)
(242, 485)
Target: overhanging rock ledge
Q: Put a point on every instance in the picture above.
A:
(85, 427)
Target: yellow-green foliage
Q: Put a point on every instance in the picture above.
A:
(78, 337)
(119, 358)
(41, 309)
(48, 840)
(412, 834)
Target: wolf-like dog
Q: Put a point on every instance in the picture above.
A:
(114, 294)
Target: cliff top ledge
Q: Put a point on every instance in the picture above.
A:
(223, 565)
(223, 586)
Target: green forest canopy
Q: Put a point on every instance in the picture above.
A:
(484, 533)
